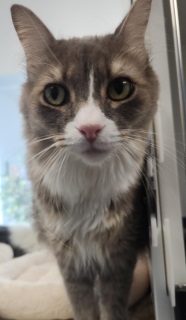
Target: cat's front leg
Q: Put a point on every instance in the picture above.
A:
(80, 289)
(115, 282)
(81, 295)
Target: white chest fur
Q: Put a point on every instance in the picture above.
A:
(86, 194)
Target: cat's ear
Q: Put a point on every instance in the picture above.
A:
(33, 34)
(132, 29)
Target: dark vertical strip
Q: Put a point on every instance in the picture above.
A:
(180, 309)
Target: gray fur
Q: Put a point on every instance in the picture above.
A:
(85, 207)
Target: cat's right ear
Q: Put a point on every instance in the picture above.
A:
(33, 34)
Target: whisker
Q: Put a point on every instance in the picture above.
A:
(167, 149)
(141, 172)
(39, 154)
(60, 167)
(137, 131)
(54, 136)
(159, 166)
(46, 164)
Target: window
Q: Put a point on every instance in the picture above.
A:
(14, 185)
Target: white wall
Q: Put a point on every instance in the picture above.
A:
(64, 18)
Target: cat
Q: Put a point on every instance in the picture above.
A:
(87, 105)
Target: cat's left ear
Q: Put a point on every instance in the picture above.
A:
(33, 34)
(132, 29)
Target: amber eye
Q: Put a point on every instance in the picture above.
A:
(55, 94)
(120, 89)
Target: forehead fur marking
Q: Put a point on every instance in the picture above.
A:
(116, 66)
(90, 100)
(89, 111)
(124, 67)
(50, 75)
(71, 70)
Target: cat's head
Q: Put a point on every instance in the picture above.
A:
(91, 99)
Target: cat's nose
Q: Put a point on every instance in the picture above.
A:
(90, 131)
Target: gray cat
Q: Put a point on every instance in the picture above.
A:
(87, 105)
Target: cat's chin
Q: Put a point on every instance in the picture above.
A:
(93, 156)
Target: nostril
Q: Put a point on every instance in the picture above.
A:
(98, 130)
(90, 131)
(82, 132)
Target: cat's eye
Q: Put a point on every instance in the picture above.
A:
(55, 94)
(120, 89)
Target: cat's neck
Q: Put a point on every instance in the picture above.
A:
(82, 197)
(81, 186)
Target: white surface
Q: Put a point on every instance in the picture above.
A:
(6, 253)
(36, 289)
(64, 18)
(24, 237)
(154, 231)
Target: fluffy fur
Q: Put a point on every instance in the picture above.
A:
(86, 195)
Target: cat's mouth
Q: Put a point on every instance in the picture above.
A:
(92, 153)
(93, 150)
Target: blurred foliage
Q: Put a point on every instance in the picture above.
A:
(16, 199)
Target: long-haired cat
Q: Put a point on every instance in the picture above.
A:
(87, 105)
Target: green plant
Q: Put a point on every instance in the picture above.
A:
(16, 199)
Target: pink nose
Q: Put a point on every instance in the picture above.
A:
(90, 131)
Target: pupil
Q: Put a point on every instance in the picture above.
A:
(54, 93)
(118, 86)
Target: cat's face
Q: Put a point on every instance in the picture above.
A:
(91, 98)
